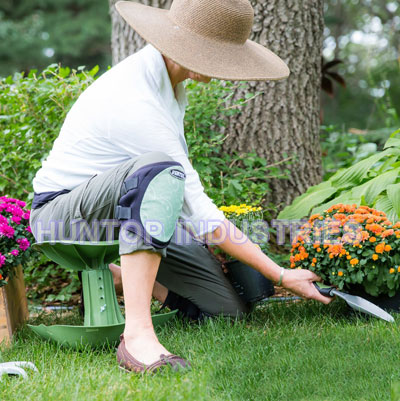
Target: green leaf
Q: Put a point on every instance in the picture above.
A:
(302, 205)
(393, 141)
(372, 188)
(345, 197)
(393, 193)
(356, 173)
(384, 204)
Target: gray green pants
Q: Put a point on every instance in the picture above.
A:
(188, 269)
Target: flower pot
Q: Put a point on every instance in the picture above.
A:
(13, 306)
(251, 285)
(390, 304)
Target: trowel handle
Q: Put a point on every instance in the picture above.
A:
(324, 289)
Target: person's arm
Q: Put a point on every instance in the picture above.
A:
(232, 241)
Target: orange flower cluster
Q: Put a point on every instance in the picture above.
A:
(346, 242)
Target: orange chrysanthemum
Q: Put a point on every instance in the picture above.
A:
(354, 261)
(386, 233)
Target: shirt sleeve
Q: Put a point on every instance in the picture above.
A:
(149, 130)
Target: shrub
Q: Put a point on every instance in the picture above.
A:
(32, 109)
(348, 245)
(227, 177)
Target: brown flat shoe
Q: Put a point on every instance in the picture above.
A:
(128, 363)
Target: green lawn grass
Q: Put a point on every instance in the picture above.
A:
(299, 351)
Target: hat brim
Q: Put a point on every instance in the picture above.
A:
(212, 58)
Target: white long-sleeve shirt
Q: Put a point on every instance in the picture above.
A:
(130, 110)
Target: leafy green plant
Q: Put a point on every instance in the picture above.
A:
(374, 181)
(49, 283)
(226, 177)
(32, 109)
(341, 149)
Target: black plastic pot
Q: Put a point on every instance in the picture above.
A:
(250, 285)
(390, 304)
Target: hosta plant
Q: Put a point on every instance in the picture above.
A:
(348, 245)
(15, 236)
(374, 182)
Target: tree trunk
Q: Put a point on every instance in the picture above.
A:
(124, 40)
(285, 118)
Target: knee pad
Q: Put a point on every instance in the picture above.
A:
(151, 201)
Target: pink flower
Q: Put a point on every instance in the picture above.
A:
(23, 243)
(21, 203)
(6, 231)
(28, 229)
(3, 206)
(14, 210)
(2, 260)
(26, 215)
(3, 220)
(16, 219)
(15, 252)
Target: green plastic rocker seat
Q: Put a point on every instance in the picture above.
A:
(103, 320)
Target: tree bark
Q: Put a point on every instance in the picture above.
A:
(124, 40)
(285, 118)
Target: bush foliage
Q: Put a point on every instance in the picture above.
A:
(32, 109)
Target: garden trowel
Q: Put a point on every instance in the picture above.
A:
(355, 302)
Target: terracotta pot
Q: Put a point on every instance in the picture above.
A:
(13, 306)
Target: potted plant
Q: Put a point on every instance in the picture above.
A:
(251, 285)
(15, 241)
(353, 248)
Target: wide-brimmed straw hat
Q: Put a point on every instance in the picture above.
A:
(209, 37)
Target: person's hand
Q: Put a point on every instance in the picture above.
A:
(300, 281)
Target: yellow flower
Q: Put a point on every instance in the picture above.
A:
(348, 257)
(375, 256)
(391, 271)
(354, 261)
